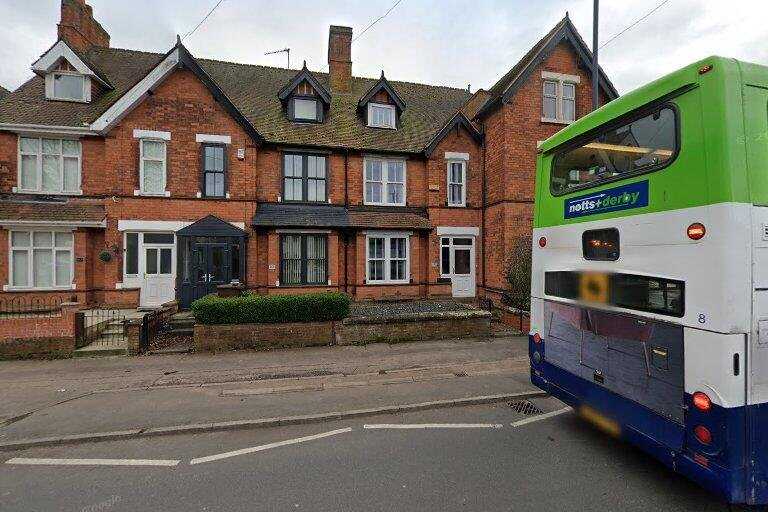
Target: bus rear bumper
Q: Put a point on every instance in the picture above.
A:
(652, 433)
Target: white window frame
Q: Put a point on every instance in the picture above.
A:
(450, 245)
(559, 79)
(391, 108)
(463, 202)
(388, 236)
(164, 160)
(50, 89)
(39, 169)
(385, 181)
(31, 263)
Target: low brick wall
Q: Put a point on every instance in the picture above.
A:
(50, 335)
(514, 317)
(214, 338)
(133, 326)
(416, 327)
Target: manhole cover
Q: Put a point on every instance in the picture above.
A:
(525, 407)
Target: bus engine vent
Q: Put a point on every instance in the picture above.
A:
(525, 407)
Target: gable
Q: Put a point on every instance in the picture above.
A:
(61, 54)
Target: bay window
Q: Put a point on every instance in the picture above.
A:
(385, 181)
(387, 258)
(303, 259)
(49, 165)
(41, 259)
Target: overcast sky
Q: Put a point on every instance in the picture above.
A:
(448, 42)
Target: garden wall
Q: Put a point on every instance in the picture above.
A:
(36, 334)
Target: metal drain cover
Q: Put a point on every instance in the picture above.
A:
(525, 407)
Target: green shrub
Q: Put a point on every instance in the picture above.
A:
(268, 309)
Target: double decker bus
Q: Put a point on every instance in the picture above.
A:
(649, 291)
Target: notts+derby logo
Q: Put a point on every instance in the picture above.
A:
(614, 199)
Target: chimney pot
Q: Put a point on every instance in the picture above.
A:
(340, 58)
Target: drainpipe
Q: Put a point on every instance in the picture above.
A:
(345, 235)
(595, 96)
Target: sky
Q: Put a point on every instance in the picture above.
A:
(445, 42)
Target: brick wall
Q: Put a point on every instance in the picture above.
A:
(32, 335)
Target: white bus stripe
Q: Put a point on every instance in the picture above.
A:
(253, 449)
(540, 417)
(430, 425)
(91, 462)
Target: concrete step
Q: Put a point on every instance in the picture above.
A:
(111, 338)
(185, 331)
(182, 324)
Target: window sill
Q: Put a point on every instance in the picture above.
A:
(375, 283)
(382, 127)
(448, 205)
(47, 193)
(167, 193)
(9, 288)
(200, 195)
(365, 203)
(66, 100)
(555, 121)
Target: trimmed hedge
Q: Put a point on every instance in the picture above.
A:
(269, 309)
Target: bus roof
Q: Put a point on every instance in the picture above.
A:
(689, 75)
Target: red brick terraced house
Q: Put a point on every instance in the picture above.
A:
(134, 178)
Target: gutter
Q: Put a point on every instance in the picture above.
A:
(47, 129)
(72, 223)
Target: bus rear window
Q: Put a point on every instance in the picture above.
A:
(643, 145)
(630, 291)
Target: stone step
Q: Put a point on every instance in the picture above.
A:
(111, 337)
(187, 331)
(182, 323)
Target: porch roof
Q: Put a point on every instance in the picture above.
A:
(211, 225)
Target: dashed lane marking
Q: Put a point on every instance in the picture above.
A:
(92, 462)
(540, 417)
(253, 449)
(403, 426)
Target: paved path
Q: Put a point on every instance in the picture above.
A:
(473, 458)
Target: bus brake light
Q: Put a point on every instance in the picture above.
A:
(696, 231)
(701, 401)
(703, 435)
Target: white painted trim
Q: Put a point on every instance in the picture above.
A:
(151, 134)
(167, 193)
(561, 77)
(136, 95)
(214, 139)
(48, 61)
(38, 129)
(160, 225)
(384, 182)
(388, 236)
(386, 106)
(40, 193)
(450, 155)
(458, 230)
(554, 121)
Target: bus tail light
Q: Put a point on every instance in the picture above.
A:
(537, 338)
(701, 401)
(703, 435)
(696, 231)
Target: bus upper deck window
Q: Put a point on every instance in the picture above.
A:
(642, 144)
(600, 244)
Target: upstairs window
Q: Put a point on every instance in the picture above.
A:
(305, 109)
(153, 167)
(68, 86)
(304, 178)
(49, 165)
(559, 97)
(214, 168)
(385, 182)
(457, 183)
(381, 115)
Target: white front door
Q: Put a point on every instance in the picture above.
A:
(458, 254)
(157, 263)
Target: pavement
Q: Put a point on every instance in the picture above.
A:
(84, 399)
(484, 457)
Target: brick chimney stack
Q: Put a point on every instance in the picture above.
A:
(340, 58)
(79, 28)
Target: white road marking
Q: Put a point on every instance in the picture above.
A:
(91, 462)
(253, 449)
(431, 425)
(540, 417)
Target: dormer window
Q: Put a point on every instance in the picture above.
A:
(381, 115)
(305, 109)
(69, 86)
(304, 98)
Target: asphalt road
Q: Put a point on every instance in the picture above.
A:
(553, 464)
